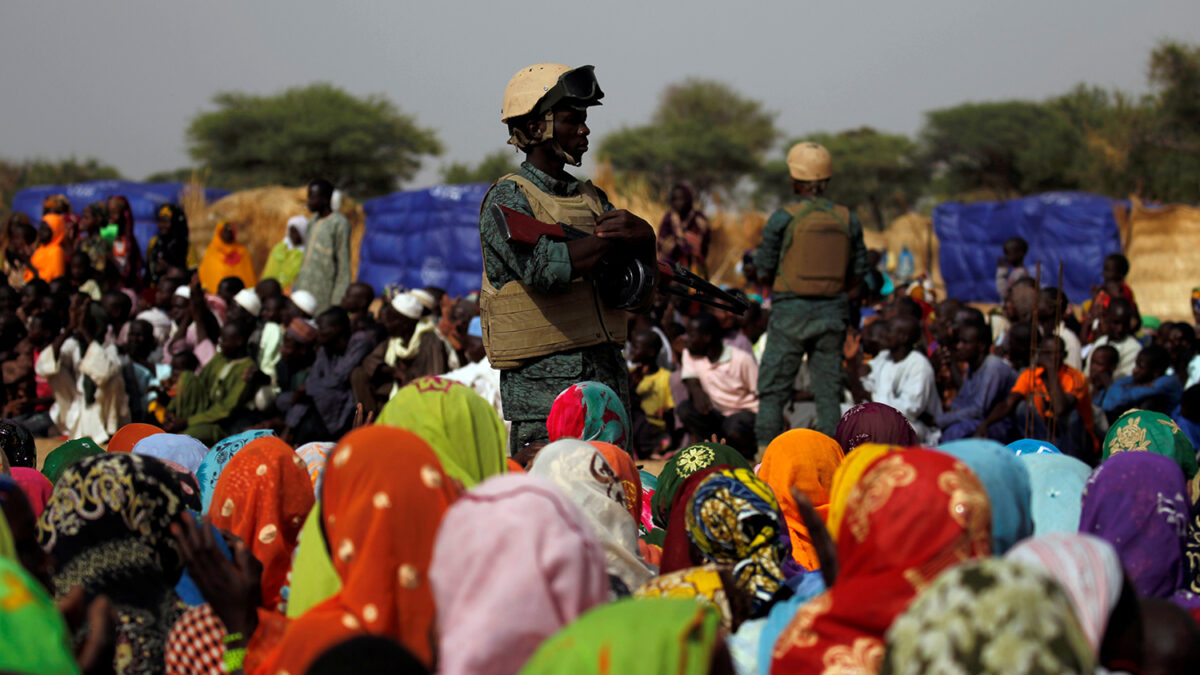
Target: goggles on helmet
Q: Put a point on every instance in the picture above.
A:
(576, 87)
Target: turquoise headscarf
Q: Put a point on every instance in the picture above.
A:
(1057, 483)
(1007, 483)
(589, 411)
(1029, 446)
(214, 462)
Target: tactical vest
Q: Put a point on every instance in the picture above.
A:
(520, 323)
(816, 250)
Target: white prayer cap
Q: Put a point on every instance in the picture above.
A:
(408, 305)
(183, 291)
(424, 297)
(305, 301)
(249, 301)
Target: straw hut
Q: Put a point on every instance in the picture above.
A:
(1163, 247)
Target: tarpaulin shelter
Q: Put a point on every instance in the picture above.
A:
(144, 200)
(1075, 228)
(422, 238)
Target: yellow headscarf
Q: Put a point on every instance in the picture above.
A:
(225, 260)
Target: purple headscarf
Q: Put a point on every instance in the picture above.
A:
(1137, 502)
(874, 423)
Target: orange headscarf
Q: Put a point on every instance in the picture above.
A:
(382, 501)
(225, 260)
(128, 436)
(804, 459)
(263, 496)
(49, 259)
(631, 482)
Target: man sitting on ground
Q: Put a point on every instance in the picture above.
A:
(902, 378)
(1148, 388)
(722, 386)
(208, 402)
(322, 409)
(987, 381)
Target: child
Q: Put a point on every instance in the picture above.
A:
(47, 258)
(652, 386)
(1148, 388)
(1011, 265)
(79, 272)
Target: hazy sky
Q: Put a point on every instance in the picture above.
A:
(119, 80)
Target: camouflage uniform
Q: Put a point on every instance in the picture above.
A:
(528, 392)
(800, 325)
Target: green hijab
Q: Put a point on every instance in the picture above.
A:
(313, 579)
(685, 463)
(459, 425)
(666, 636)
(29, 618)
(67, 454)
(8, 548)
(1144, 431)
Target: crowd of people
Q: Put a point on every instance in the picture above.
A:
(291, 472)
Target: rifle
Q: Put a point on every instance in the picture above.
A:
(624, 282)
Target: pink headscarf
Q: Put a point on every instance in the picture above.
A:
(514, 562)
(37, 488)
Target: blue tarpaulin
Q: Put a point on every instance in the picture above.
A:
(1075, 228)
(422, 238)
(144, 200)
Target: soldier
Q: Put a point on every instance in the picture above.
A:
(543, 323)
(811, 254)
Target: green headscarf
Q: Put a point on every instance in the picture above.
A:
(313, 579)
(1144, 431)
(459, 425)
(685, 463)
(663, 636)
(67, 454)
(28, 618)
(8, 548)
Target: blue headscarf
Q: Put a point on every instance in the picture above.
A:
(1007, 484)
(1057, 483)
(179, 448)
(1029, 446)
(214, 462)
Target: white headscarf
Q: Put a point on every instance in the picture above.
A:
(301, 225)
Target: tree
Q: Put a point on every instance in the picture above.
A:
(702, 131)
(180, 175)
(872, 170)
(491, 167)
(365, 145)
(1166, 153)
(16, 176)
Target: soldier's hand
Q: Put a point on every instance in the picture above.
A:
(623, 226)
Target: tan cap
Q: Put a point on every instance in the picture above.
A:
(809, 162)
(528, 87)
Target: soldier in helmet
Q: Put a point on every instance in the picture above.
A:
(543, 323)
(811, 253)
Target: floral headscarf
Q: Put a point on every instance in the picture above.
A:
(383, 500)
(803, 459)
(704, 584)
(685, 463)
(989, 616)
(1007, 483)
(218, 458)
(911, 516)
(108, 527)
(554, 571)
(848, 473)
(1144, 431)
(874, 423)
(16, 443)
(589, 411)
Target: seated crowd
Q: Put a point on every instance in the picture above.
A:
(249, 481)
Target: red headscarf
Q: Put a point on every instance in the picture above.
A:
(677, 546)
(913, 515)
(382, 501)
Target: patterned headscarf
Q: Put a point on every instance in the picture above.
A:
(990, 616)
(660, 636)
(461, 427)
(32, 630)
(806, 460)
(589, 411)
(734, 519)
(1143, 431)
(704, 584)
(1007, 484)
(179, 448)
(683, 464)
(627, 472)
(554, 571)
(67, 454)
(384, 497)
(129, 435)
(108, 527)
(874, 423)
(583, 475)
(218, 458)
(1056, 485)
(848, 473)
(911, 516)
(315, 455)
(263, 496)
(17, 444)
(1136, 502)
(1089, 571)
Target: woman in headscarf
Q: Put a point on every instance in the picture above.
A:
(129, 435)
(126, 254)
(954, 625)
(383, 500)
(178, 448)
(874, 423)
(34, 635)
(215, 461)
(635, 500)
(107, 526)
(286, 256)
(911, 516)
(315, 455)
(682, 465)
(1141, 430)
(35, 486)
(806, 460)
(583, 475)
(49, 259)
(172, 246)
(848, 473)
(656, 635)
(684, 233)
(225, 257)
(678, 551)
(1056, 484)
(589, 411)
(1007, 483)
(17, 444)
(461, 427)
(1031, 446)
(67, 454)
(18, 514)
(1136, 502)
(554, 571)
